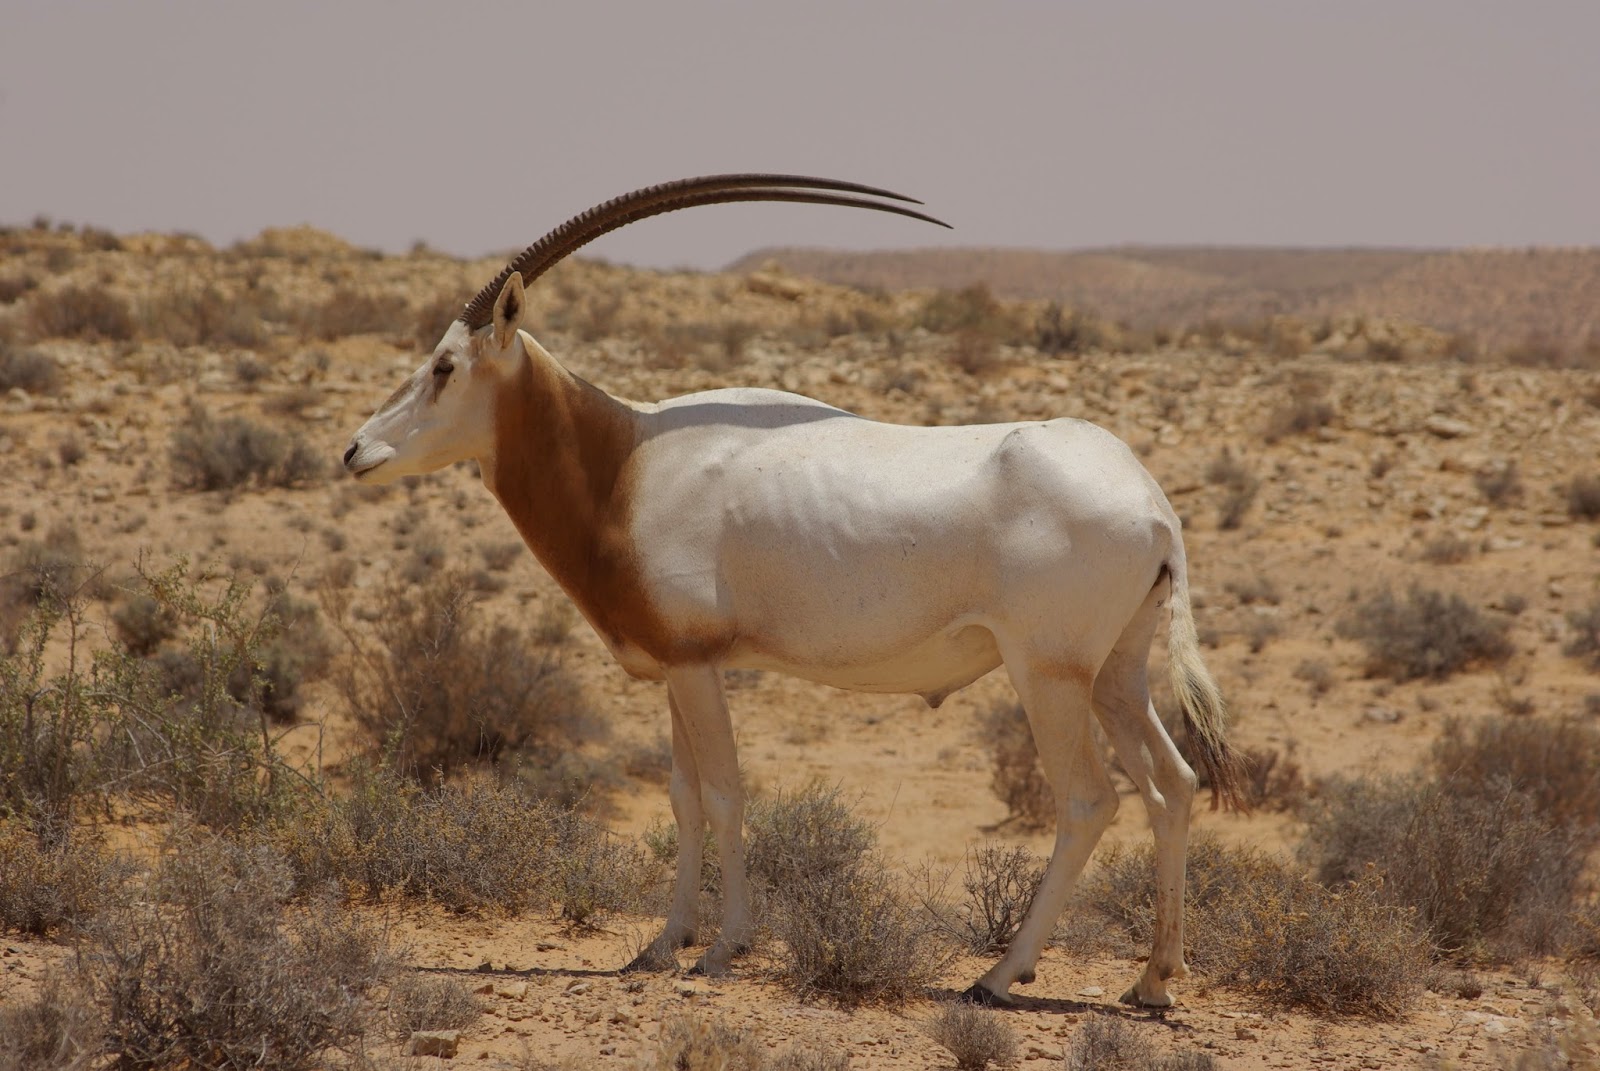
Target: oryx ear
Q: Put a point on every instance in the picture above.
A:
(508, 309)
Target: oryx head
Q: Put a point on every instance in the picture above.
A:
(443, 412)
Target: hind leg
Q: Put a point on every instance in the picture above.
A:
(1058, 704)
(1166, 784)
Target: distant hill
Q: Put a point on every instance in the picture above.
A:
(1501, 297)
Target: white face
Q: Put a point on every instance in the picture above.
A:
(441, 414)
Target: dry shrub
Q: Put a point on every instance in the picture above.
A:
(1255, 922)
(1448, 550)
(976, 1037)
(1014, 771)
(1500, 485)
(811, 1056)
(219, 454)
(1429, 634)
(209, 967)
(50, 570)
(434, 317)
(846, 923)
(691, 1042)
(1275, 781)
(350, 312)
(91, 312)
(1583, 497)
(435, 688)
(1555, 763)
(1239, 484)
(48, 887)
(14, 287)
(974, 352)
(204, 315)
(1482, 872)
(480, 847)
(430, 1002)
(972, 309)
(59, 1030)
(1104, 1042)
(1058, 331)
(1585, 641)
(999, 884)
(1304, 411)
(29, 370)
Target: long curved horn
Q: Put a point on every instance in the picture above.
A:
(584, 228)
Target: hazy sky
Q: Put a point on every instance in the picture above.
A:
(478, 126)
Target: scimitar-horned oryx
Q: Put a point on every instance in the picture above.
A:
(749, 528)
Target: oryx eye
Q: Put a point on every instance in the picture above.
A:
(443, 367)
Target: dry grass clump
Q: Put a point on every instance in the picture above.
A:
(999, 883)
(480, 847)
(430, 1002)
(49, 570)
(58, 1030)
(1057, 331)
(1583, 497)
(971, 309)
(1015, 774)
(219, 454)
(976, 1037)
(209, 967)
(1306, 409)
(1585, 641)
(1428, 634)
(49, 887)
(205, 315)
(1239, 484)
(1500, 485)
(1255, 922)
(436, 688)
(690, 1042)
(351, 312)
(846, 924)
(1106, 1041)
(433, 318)
(1484, 872)
(1556, 763)
(90, 312)
(29, 370)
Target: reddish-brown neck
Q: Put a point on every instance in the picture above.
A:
(562, 448)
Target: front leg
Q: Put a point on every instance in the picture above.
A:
(703, 710)
(691, 820)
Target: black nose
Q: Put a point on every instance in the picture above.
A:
(350, 453)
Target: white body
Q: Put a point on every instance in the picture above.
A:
(754, 528)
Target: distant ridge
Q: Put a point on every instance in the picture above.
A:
(1501, 297)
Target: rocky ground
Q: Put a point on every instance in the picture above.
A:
(1355, 475)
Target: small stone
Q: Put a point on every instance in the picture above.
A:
(578, 988)
(1243, 1033)
(511, 990)
(1091, 991)
(441, 1043)
(1381, 715)
(1447, 427)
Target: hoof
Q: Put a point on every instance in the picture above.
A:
(983, 996)
(652, 960)
(1025, 978)
(1133, 999)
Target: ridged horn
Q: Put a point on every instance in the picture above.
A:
(603, 218)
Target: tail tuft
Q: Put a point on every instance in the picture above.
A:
(1205, 714)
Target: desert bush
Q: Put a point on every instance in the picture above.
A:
(142, 624)
(203, 315)
(350, 312)
(58, 1030)
(50, 570)
(1428, 634)
(1058, 331)
(434, 317)
(1583, 497)
(298, 650)
(974, 352)
(1106, 1041)
(1480, 871)
(1555, 763)
(1500, 485)
(976, 1037)
(845, 922)
(999, 884)
(691, 1042)
(436, 689)
(1274, 780)
(1305, 409)
(208, 968)
(1255, 922)
(219, 454)
(1448, 550)
(47, 887)
(14, 287)
(30, 370)
(91, 312)
(1014, 771)
(1585, 641)
(430, 1002)
(970, 309)
(1239, 484)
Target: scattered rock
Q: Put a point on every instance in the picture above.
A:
(1381, 715)
(1447, 427)
(1092, 991)
(511, 990)
(441, 1043)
